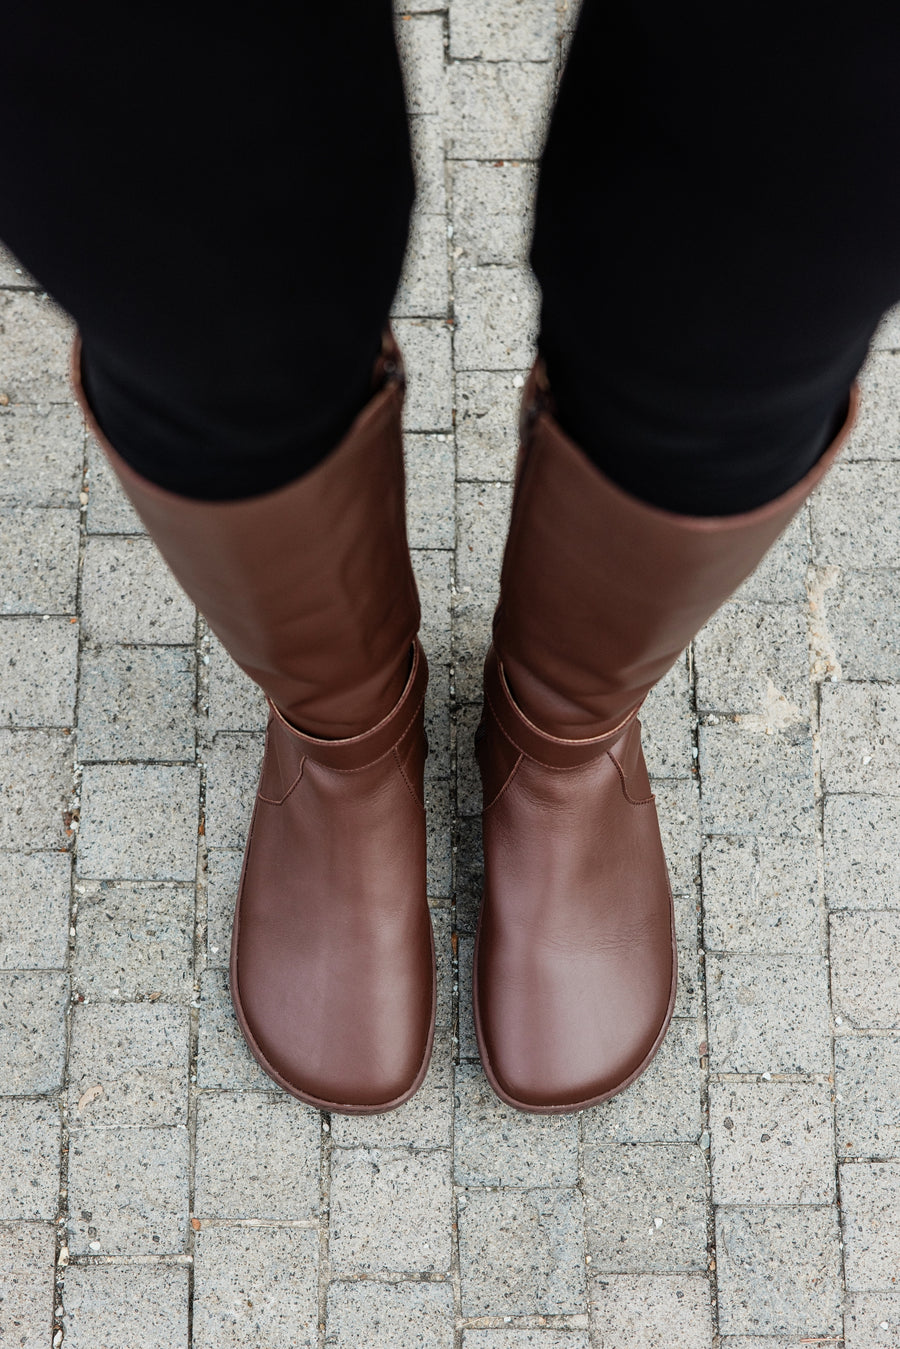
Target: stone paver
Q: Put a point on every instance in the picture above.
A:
(194, 1205)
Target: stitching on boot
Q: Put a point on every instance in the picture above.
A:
(633, 801)
(278, 801)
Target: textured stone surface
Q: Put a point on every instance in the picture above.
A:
(232, 774)
(138, 822)
(651, 1311)
(521, 1253)
(772, 1143)
(390, 1211)
(38, 560)
(867, 1085)
(131, 596)
(138, 1056)
(137, 703)
(35, 788)
(381, 1315)
(761, 896)
(109, 511)
(29, 1158)
(657, 1195)
(34, 910)
(853, 524)
(134, 941)
(128, 1191)
(861, 738)
(870, 1201)
(498, 33)
(26, 1277)
(35, 336)
(496, 1145)
(872, 1321)
(496, 110)
(38, 671)
(273, 1174)
(751, 660)
(768, 1014)
(865, 976)
(223, 1059)
(663, 1106)
(123, 1306)
(254, 1287)
(41, 451)
(496, 316)
(779, 1271)
(32, 1031)
(487, 409)
(754, 782)
(862, 861)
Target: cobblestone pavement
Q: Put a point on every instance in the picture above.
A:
(155, 1190)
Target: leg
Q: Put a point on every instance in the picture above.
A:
(699, 350)
(257, 432)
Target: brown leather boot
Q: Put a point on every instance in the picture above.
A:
(311, 590)
(575, 960)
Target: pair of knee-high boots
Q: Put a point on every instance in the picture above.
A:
(311, 590)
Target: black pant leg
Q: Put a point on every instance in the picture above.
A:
(717, 234)
(223, 207)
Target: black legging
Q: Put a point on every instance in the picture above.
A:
(225, 215)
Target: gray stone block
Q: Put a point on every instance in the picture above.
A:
(437, 725)
(435, 582)
(658, 1195)
(887, 334)
(383, 1315)
(390, 1211)
(29, 1159)
(468, 792)
(865, 974)
(274, 1172)
(497, 110)
(860, 728)
(35, 337)
(38, 560)
(497, 33)
(872, 1321)
(772, 1143)
(656, 1311)
(109, 511)
(38, 670)
(441, 920)
(424, 288)
(487, 419)
(128, 1191)
(469, 881)
(27, 1252)
(137, 1054)
(255, 1287)
(424, 1122)
(41, 455)
(496, 1145)
(429, 491)
(761, 896)
(496, 318)
(224, 870)
(427, 355)
(235, 702)
(427, 135)
(420, 41)
(492, 213)
(854, 517)
(232, 775)
(779, 1271)
(223, 1059)
(137, 703)
(525, 1339)
(483, 510)
(35, 788)
(678, 808)
(139, 822)
(134, 941)
(34, 910)
(876, 434)
(753, 783)
(687, 908)
(129, 595)
(867, 1089)
(752, 660)
(32, 1032)
(126, 1306)
(666, 722)
(768, 1014)
(858, 608)
(521, 1253)
(870, 1204)
(780, 577)
(663, 1106)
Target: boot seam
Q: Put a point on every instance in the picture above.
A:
(405, 776)
(507, 783)
(632, 801)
